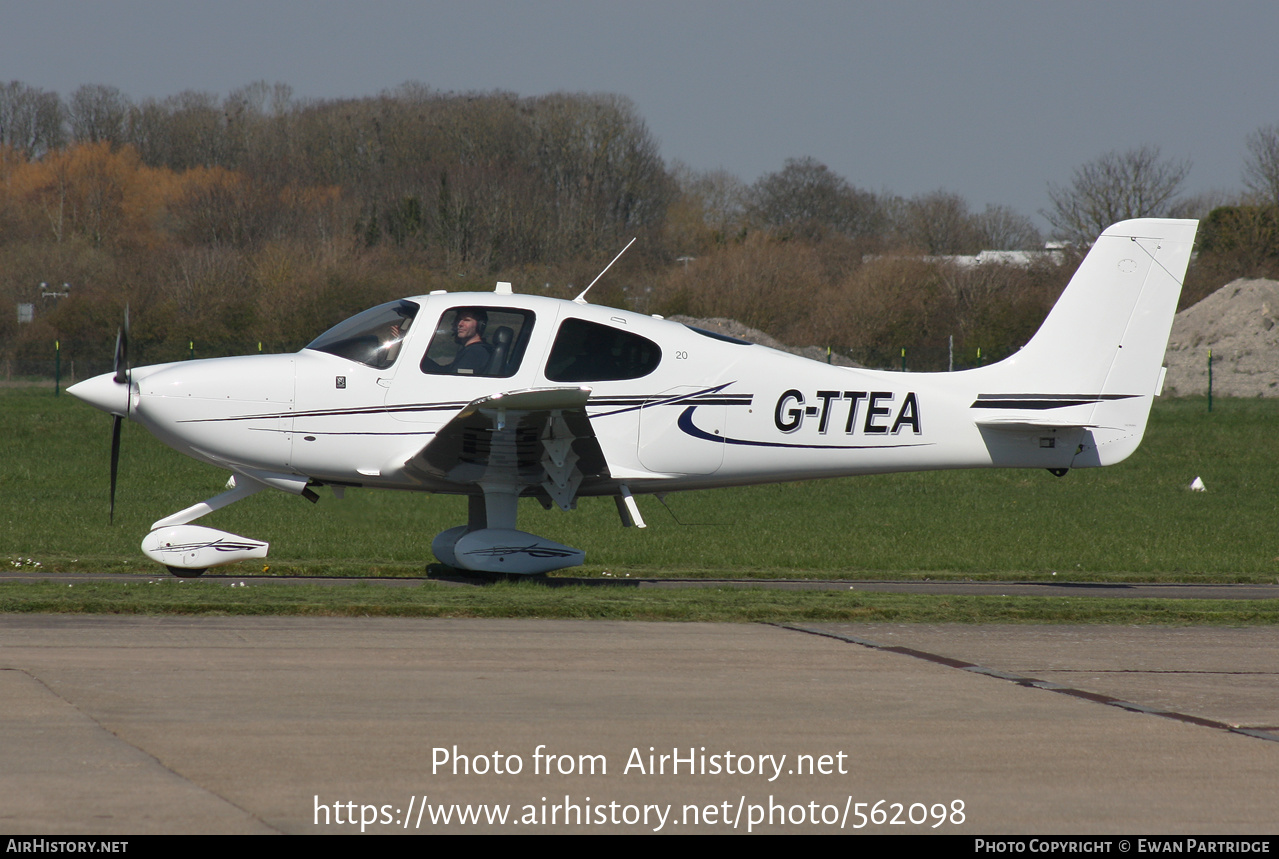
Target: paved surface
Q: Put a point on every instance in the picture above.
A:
(237, 725)
(1105, 590)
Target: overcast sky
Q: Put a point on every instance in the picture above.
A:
(991, 100)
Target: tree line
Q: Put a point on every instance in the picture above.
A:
(258, 219)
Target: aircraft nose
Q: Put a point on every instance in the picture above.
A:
(103, 392)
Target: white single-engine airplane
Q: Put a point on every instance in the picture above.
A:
(499, 396)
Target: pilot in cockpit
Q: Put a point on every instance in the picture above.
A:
(473, 353)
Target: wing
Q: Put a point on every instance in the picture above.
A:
(538, 437)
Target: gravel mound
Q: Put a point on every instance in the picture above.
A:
(1238, 323)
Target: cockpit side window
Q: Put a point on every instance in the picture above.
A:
(479, 341)
(372, 337)
(590, 352)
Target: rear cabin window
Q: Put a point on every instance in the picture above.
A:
(590, 352)
(478, 341)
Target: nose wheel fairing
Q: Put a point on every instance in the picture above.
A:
(187, 549)
(194, 547)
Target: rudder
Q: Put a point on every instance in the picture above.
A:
(1100, 351)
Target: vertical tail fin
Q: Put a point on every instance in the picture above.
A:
(1097, 361)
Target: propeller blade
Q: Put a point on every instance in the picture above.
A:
(122, 350)
(121, 356)
(115, 460)
(122, 377)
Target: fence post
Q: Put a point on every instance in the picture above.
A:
(1210, 380)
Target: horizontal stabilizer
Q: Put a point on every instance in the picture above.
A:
(1019, 425)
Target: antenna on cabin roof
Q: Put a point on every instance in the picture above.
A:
(581, 299)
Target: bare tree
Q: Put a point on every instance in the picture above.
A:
(717, 194)
(939, 223)
(807, 198)
(1003, 229)
(1261, 168)
(708, 208)
(1138, 183)
(182, 131)
(602, 167)
(98, 114)
(30, 119)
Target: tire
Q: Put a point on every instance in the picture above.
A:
(186, 574)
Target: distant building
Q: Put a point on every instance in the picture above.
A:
(1020, 259)
(1052, 253)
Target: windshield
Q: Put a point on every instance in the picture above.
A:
(372, 337)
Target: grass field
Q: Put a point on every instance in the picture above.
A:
(1136, 521)
(533, 600)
